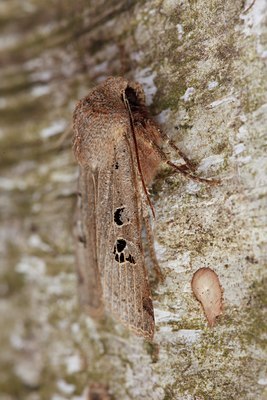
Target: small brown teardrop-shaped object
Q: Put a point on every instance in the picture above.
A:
(207, 289)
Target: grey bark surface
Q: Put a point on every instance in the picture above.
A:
(203, 68)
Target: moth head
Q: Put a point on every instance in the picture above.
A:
(135, 96)
(131, 96)
(123, 89)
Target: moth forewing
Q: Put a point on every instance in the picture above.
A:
(107, 138)
(129, 291)
(89, 284)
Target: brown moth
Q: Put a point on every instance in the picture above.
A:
(117, 146)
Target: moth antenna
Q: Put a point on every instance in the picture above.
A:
(195, 178)
(181, 168)
(137, 155)
(189, 164)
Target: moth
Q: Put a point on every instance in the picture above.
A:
(118, 148)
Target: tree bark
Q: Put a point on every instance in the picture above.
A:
(203, 68)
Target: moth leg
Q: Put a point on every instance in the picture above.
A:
(188, 163)
(195, 178)
(181, 168)
(151, 247)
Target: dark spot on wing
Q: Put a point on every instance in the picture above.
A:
(121, 252)
(130, 259)
(121, 244)
(118, 216)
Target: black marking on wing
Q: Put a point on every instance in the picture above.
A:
(121, 252)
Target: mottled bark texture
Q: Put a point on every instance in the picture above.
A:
(203, 66)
